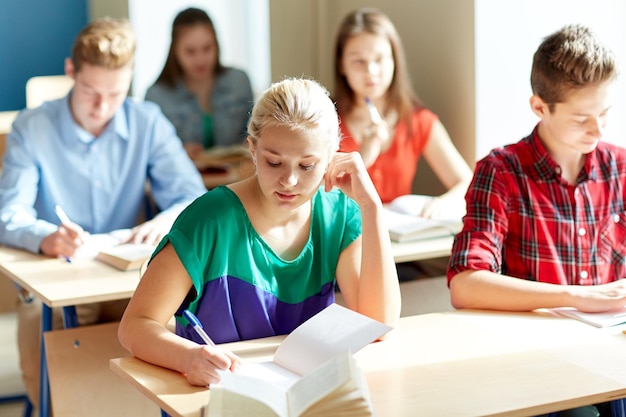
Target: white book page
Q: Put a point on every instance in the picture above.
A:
(331, 331)
(405, 223)
(269, 372)
(405, 227)
(240, 395)
(331, 380)
(605, 319)
(98, 242)
(413, 204)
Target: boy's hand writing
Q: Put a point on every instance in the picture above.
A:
(64, 242)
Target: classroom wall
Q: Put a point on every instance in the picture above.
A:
(35, 38)
(507, 35)
(241, 26)
(438, 38)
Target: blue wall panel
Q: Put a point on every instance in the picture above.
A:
(35, 38)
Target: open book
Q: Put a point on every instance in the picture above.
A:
(405, 224)
(606, 319)
(127, 256)
(108, 248)
(312, 373)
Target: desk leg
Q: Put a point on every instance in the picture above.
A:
(69, 317)
(44, 385)
(618, 408)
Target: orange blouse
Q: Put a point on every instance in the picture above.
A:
(393, 171)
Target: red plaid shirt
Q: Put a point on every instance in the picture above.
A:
(525, 221)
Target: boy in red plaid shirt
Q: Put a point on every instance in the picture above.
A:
(549, 209)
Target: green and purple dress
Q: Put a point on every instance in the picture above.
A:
(241, 288)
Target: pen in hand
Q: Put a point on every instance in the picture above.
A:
(61, 215)
(197, 326)
(64, 220)
(374, 114)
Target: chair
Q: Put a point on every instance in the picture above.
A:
(81, 382)
(46, 87)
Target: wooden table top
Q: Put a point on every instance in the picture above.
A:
(59, 283)
(462, 363)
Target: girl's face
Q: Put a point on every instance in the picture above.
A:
(290, 165)
(368, 65)
(196, 51)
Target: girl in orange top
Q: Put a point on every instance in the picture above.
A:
(383, 119)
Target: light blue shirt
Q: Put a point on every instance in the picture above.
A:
(231, 102)
(100, 182)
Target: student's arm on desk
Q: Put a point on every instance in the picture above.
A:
(451, 169)
(143, 329)
(481, 289)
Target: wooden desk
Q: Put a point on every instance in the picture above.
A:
(58, 283)
(462, 363)
(224, 166)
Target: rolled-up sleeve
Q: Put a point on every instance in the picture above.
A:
(479, 244)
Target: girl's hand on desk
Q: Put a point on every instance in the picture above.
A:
(64, 242)
(206, 362)
(599, 298)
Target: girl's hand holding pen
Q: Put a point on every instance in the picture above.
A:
(375, 137)
(207, 361)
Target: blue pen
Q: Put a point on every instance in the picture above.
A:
(374, 115)
(198, 327)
